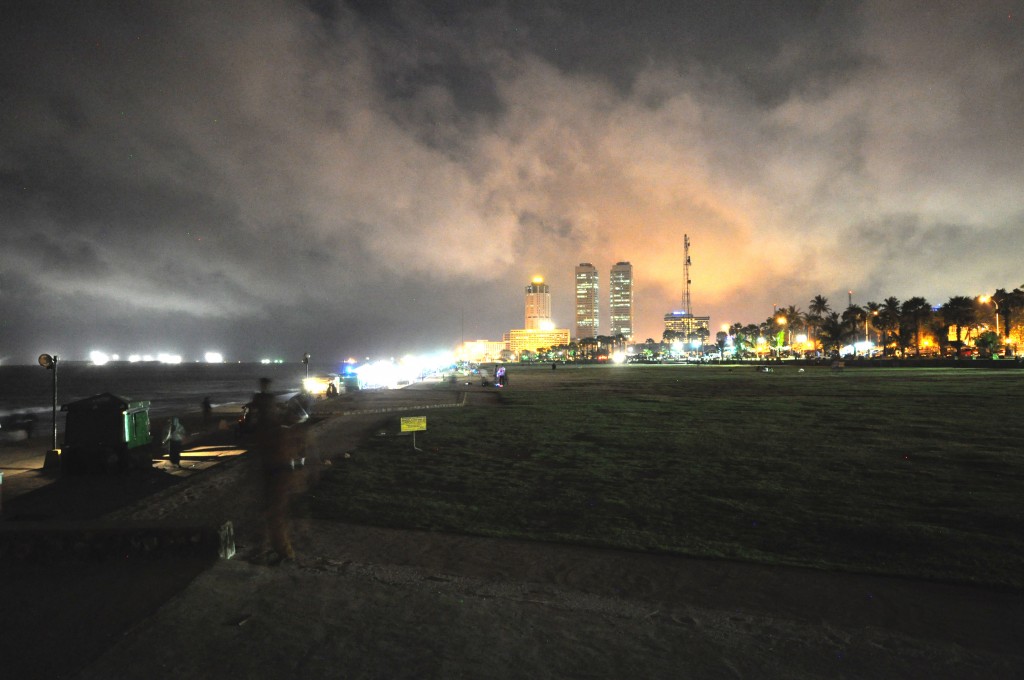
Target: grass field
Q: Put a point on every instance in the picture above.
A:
(916, 472)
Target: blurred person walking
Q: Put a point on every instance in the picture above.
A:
(207, 411)
(174, 440)
(275, 447)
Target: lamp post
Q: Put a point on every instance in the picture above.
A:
(995, 306)
(305, 359)
(50, 363)
(781, 321)
(867, 318)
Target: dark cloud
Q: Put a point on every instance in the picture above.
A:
(346, 177)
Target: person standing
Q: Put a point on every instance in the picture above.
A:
(275, 446)
(174, 440)
(207, 411)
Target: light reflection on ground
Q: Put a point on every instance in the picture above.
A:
(220, 451)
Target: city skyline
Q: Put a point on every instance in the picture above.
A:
(366, 179)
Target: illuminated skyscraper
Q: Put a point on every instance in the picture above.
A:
(538, 305)
(586, 300)
(621, 286)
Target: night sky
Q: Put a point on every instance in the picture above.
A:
(371, 178)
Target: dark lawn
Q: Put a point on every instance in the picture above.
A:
(917, 472)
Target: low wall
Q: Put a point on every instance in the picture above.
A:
(39, 542)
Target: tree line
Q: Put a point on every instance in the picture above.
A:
(911, 327)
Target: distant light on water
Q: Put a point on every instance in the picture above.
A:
(214, 358)
(98, 358)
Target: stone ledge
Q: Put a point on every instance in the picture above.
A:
(103, 540)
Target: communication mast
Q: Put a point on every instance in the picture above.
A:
(686, 275)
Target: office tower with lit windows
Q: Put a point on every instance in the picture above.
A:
(538, 305)
(621, 300)
(586, 301)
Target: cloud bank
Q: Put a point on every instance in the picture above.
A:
(351, 178)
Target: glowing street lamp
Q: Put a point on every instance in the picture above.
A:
(985, 299)
(50, 363)
(781, 321)
(867, 317)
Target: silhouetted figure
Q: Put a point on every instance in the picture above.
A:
(174, 440)
(207, 410)
(264, 406)
(276, 447)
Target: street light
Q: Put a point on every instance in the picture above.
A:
(867, 317)
(782, 321)
(50, 363)
(985, 299)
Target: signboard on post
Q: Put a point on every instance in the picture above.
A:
(414, 424)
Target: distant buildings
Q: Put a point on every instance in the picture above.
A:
(683, 325)
(688, 327)
(587, 294)
(482, 351)
(621, 299)
(518, 340)
(540, 331)
(538, 305)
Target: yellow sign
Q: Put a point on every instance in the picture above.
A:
(414, 424)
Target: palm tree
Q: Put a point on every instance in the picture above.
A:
(853, 319)
(1015, 304)
(819, 307)
(889, 320)
(832, 332)
(1009, 303)
(745, 337)
(816, 311)
(913, 313)
(702, 334)
(959, 312)
(872, 310)
(794, 318)
(940, 329)
(588, 347)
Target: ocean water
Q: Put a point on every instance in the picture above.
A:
(170, 388)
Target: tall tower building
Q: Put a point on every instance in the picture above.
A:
(538, 305)
(621, 286)
(586, 300)
(683, 324)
